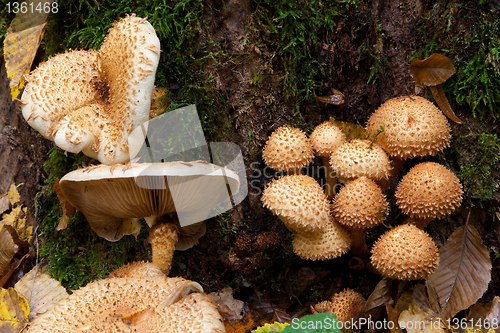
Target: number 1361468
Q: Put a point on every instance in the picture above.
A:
(45, 7)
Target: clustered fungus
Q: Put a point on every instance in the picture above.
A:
(90, 101)
(301, 204)
(288, 149)
(405, 253)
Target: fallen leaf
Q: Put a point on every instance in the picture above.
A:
(159, 102)
(392, 316)
(385, 292)
(267, 328)
(13, 194)
(336, 99)
(433, 70)
(17, 219)
(22, 40)
(14, 310)
(463, 273)
(4, 203)
(442, 101)
(351, 130)
(232, 309)
(8, 248)
(41, 291)
(416, 320)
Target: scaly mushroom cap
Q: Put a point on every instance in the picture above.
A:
(328, 244)
(348, 305)
(90, 101)
(360, 204)
(299, 202)
(153, 304)
(413, 127)
(357, 158)
(405, 253)
(428, 191)
(137, 269)
(325, 138)
(109, 196)
(287, 148)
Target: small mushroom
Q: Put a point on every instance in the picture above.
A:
(324, 139)
(91, 101)
(429, 191)
(358, 206)
(347, 305)
(357, 158)
(288, 149)
(405, 253)
(299, 202)
(413, 127)
(133, 304)
(114, 197)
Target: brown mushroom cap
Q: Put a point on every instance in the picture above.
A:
(138, 270)
(287, 148)
(154, 304)
(405, 253)
(413, 127)
(90, 101)
(108, 196)
(299, 202)
(428, 191)
(325, 138)
(347, 305)
(357, 158)
(328, 244)
(360, 204)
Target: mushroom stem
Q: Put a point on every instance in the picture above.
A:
(359, 248)
(163, 237)
(331, 178)
(421, 223)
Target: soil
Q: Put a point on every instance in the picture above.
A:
(256, 110)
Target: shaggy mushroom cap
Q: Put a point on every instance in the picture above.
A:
(347, 305)
(299, 202)
(328, 244)
(428, 191)
(90, 101)
(288, 148)
(405, 253)
(153, 304)
(138, 270)
(357, 158)
(325, 138)
(413, 127)
(360, 204)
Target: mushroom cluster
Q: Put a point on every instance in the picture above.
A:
(135, 298)
(90, 101)
(301, 204)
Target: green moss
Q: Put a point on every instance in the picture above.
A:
(474, 50)
(293, 29)
(481, 155)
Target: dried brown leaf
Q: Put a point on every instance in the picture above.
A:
(464, 271)
(40, 290)
(442, 101)
(336, 99)
(433, 70)
(392, 316)
(4, 203)
(8, 248)
(385, 292)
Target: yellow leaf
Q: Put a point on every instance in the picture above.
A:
(159, 102)
(416, 320)
(8, 248)
(13, 194)
(351, 130)
(41, 291)
(14, 310)
(22, 41)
